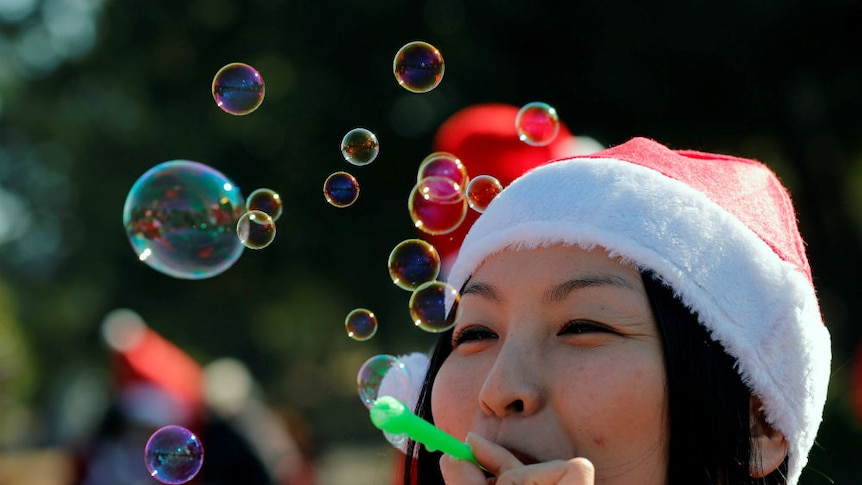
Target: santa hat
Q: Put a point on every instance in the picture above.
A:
(155, 382)
(721, 231)
(484, 137)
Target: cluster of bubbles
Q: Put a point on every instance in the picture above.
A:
(359, 147)
(437, 204)
(173, 455)
(188, 220)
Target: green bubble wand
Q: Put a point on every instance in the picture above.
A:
(391, 415)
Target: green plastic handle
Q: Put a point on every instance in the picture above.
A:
(391, 415)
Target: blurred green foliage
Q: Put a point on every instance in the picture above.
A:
(95, 92)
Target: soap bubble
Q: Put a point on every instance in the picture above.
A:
(437, 205)
(373, 371)
(238, 88)
(360, 146)
(443, 164)
(537, 124)
(341, 189)
(266, 200)
(412, 263)
(255, 229)
(181, 216)
(418, 67)
(361, 324)
(481, 191)
(173, 455)
(428, 306)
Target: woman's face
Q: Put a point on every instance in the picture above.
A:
(556, 355)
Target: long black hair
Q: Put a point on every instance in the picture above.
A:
(708, 404)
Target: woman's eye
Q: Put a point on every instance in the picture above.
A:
(578, 327)
(472, 334)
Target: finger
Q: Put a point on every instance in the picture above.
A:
(577, 471)
(461, 472)
(492, 456)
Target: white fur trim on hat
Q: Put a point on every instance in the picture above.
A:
(417, 366)
(763, 310)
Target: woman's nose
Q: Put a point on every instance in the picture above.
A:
(514, 384)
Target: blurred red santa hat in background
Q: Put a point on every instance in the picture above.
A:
(155, 382)
(484, 137)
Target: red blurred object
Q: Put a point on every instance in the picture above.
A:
(485, 139)
(142, 356)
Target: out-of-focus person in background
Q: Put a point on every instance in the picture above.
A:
(154, 384)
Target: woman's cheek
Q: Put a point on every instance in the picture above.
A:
(451, 400)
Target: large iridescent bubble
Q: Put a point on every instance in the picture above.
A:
(181, 216)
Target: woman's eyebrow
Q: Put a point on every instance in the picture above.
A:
(482, 289)
(560, 291)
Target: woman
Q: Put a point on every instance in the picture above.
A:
(639, 315)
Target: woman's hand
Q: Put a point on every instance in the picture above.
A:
(508, 470)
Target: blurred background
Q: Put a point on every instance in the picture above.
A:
(95, 92)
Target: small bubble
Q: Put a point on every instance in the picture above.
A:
(443, 164)
(180, 217)
(266, 200)
(481, 191)
(341, 189)
(437, 205)
(537, 124)
(360, 146)
(360, 324)
(412, 263)
(418, 67)
(238, 88)
(255, 229)
(374, 370)
(173, 455)
(428, 306)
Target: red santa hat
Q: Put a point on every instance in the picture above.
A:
(484, 137)
(720, 230)
(155, 381)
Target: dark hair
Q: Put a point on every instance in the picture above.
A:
(709, 405)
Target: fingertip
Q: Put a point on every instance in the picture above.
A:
(585, 466)
(474, 440)
(455, 470)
